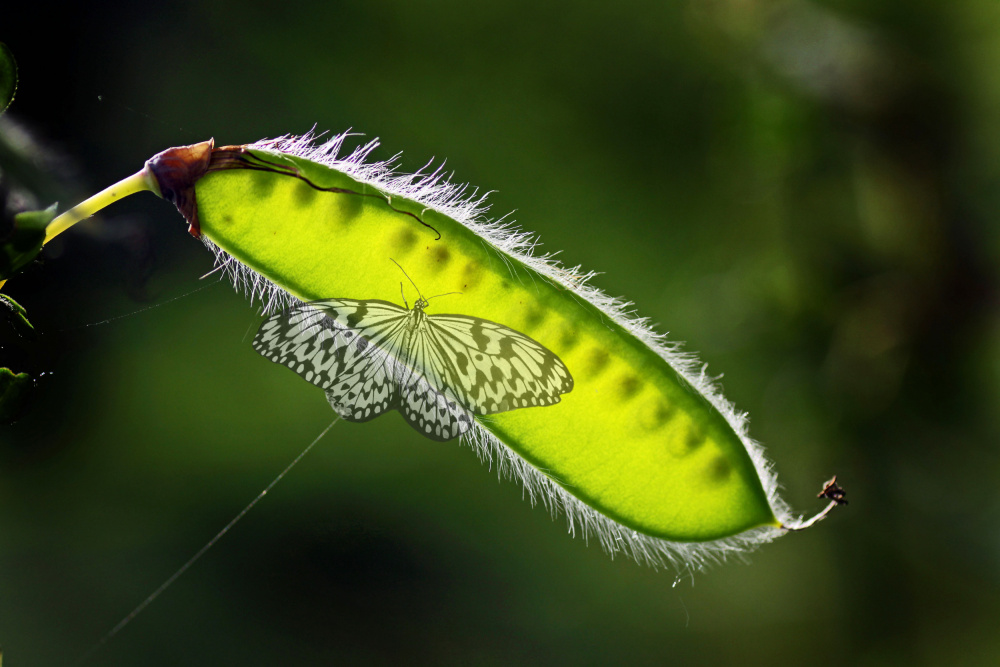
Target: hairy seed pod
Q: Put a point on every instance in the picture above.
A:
(560, 386)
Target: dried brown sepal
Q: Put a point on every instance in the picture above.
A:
(831, 491)
(175, 172)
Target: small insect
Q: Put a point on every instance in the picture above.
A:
(439, 371)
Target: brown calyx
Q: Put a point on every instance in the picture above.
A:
(175, 172)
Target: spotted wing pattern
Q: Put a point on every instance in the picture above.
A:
(492, 368)
(372, 356)
(322, 346)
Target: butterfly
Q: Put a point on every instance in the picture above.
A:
(439, 371)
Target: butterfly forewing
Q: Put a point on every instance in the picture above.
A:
(496, 368)
(313, 344)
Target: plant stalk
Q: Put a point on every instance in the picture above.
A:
(137, 182)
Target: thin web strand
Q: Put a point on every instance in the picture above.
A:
(143, 310)
(201, 552)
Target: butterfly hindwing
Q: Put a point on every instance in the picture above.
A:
(363, 393)
(432, 412)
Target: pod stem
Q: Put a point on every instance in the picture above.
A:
(834, 493)
(819, 517)
(137, 182)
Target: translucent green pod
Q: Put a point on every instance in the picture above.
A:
(637, 448)
(643, 452)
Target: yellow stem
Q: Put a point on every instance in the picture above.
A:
(137, 182)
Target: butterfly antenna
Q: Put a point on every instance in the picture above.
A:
(408, 277)
(403, 295)
(445, 294)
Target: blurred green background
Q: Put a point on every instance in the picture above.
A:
(806, 193)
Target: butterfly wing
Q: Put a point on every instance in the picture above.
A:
(437, 374)
(492, 368)
(433, 412)
(365, 390)
(428, 401)
(348, 347)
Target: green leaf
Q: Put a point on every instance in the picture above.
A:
(8, 77)
(14, 390)
(24, 241)
(16, 315)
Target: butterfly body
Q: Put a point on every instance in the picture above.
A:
(439, 371)
(416, 318)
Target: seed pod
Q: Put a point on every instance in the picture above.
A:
(642, 452)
